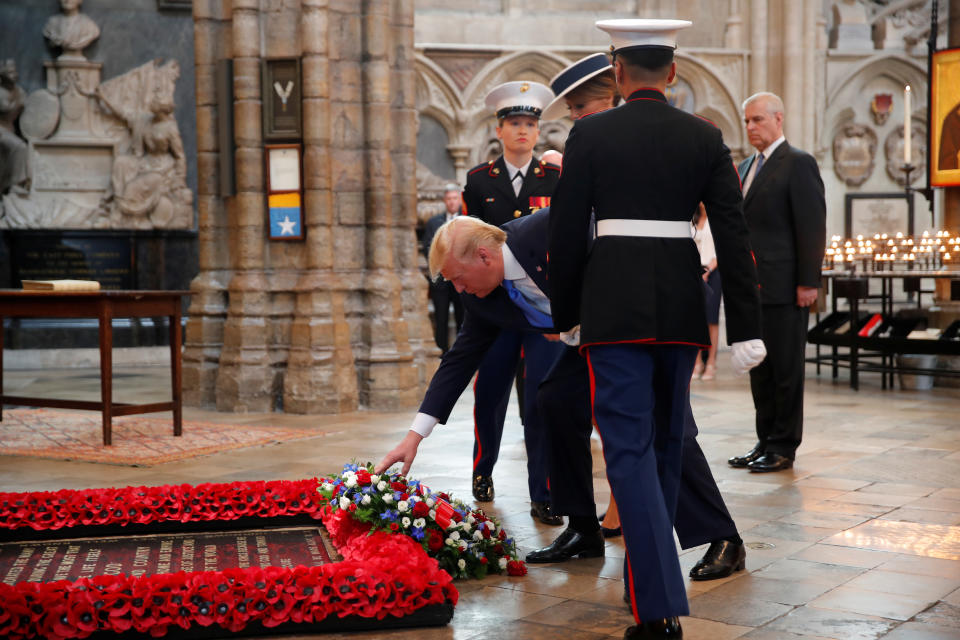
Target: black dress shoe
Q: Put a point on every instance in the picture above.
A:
(483, 488)
(542, 512)
(770, 462)
(614, 532)
(662, 628)
(721, 559)
(747, 458)
(568, 544)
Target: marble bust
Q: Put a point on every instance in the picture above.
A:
(72, 31)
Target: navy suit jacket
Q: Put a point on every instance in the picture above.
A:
(486, 317)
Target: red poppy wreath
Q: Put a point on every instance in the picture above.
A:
(162, 569)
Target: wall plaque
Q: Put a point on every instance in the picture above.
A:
(281, 99)
(108, 260)
(893, 150)
(854, 149)
(872, 213)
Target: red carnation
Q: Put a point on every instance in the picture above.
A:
(398, 486)
(435, 541)
(363, 476)
(393, 525)
(516, 568)
(420, 510)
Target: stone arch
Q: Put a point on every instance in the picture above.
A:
(899, 68)
(714, 97)
(438, 96)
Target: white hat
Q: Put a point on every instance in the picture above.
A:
(634, 33)
(571, 78)
(521, 98)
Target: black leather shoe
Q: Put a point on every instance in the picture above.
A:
(721, 559)
(615, 532)
(662, 628)
(770, 462)
(568, 544)
(483, 488)
(747, 458)
(542, 512)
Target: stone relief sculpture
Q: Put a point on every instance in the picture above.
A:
(71, 31)
(102, 155)
(149, 168)
(854, 149)
(13, 149)
(893, 149)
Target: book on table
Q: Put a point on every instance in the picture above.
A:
(61, 285)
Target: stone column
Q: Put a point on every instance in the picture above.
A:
(245, 379)
(733, 31)
(208, 304)
(461, 155)
(386, 365)
(793, 59)
(320, 377)
(758, 46)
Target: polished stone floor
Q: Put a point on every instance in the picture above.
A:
(860, 540)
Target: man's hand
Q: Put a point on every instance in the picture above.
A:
(746, 355)
(552, 337)
(806, 296)
(404, 452)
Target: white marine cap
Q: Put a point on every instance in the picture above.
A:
(521, 98)
(636, 33)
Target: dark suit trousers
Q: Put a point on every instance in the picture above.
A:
(777, 383)
(491, 394)
(564, 403)
(443, 294)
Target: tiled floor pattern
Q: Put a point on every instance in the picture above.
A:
(861, 540)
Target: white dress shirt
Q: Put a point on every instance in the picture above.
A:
(512, 172)
(766, 156)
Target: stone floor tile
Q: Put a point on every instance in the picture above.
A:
(529, 630)
(838, 484)
(584, 616)
(920, 631)
(900, 489)
(936, 504)
(936, 541)
(789, 531)
(846, 556)
(941, 614)
(953, 598)
(741, 611)
(695, 628)
(766, 633)
(824, 519)
(872, 603)
(828, 623)
(923, 516)
(924, 587)
(828, 575)
(865, 496)
(755, 587)
(850, 508)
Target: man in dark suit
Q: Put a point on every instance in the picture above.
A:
(502, 276)
(514, 185)
(637, 296)
(786, 214)
(442, 293)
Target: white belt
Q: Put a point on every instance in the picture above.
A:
(644, 228)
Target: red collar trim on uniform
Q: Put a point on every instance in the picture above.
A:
(647, 93)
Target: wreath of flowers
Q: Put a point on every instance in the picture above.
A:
(380, 575)
(465, 542)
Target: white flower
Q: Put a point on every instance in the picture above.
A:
(405, 522)
(344, 502)
(388, 498)
(454, 535)
(450, 542)
(432, 514)
(374, 479)
(327, 486)
(471, 519)
(463, 546)
(403, 506)
(465, 526)
(430, 502)
(351, 481)
(462, 563)
(381, 485)
(478, 535)
(503, 563)
(365, 500)
(420, 522)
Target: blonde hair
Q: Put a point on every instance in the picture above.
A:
(602, 86)
(461, 237)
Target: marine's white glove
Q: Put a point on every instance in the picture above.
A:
(571, 338)
(746, 355)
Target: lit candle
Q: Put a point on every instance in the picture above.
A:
(906, 125)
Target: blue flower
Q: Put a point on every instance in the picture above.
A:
(357, 498)
(389, 514)
(397, 496)
(368, 490)
(416, 533)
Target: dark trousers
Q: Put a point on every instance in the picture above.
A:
(640, 398)
(443, 294)
(564, 403)
(777, 382)
(492, 392)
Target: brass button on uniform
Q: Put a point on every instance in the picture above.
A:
(517, 214)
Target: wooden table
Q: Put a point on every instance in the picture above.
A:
(105, 306)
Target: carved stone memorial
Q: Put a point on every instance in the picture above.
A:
(854, 149)
(893, 149)
(99, 155)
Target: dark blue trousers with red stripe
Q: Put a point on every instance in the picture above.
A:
(491, 394)
(640, 399)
